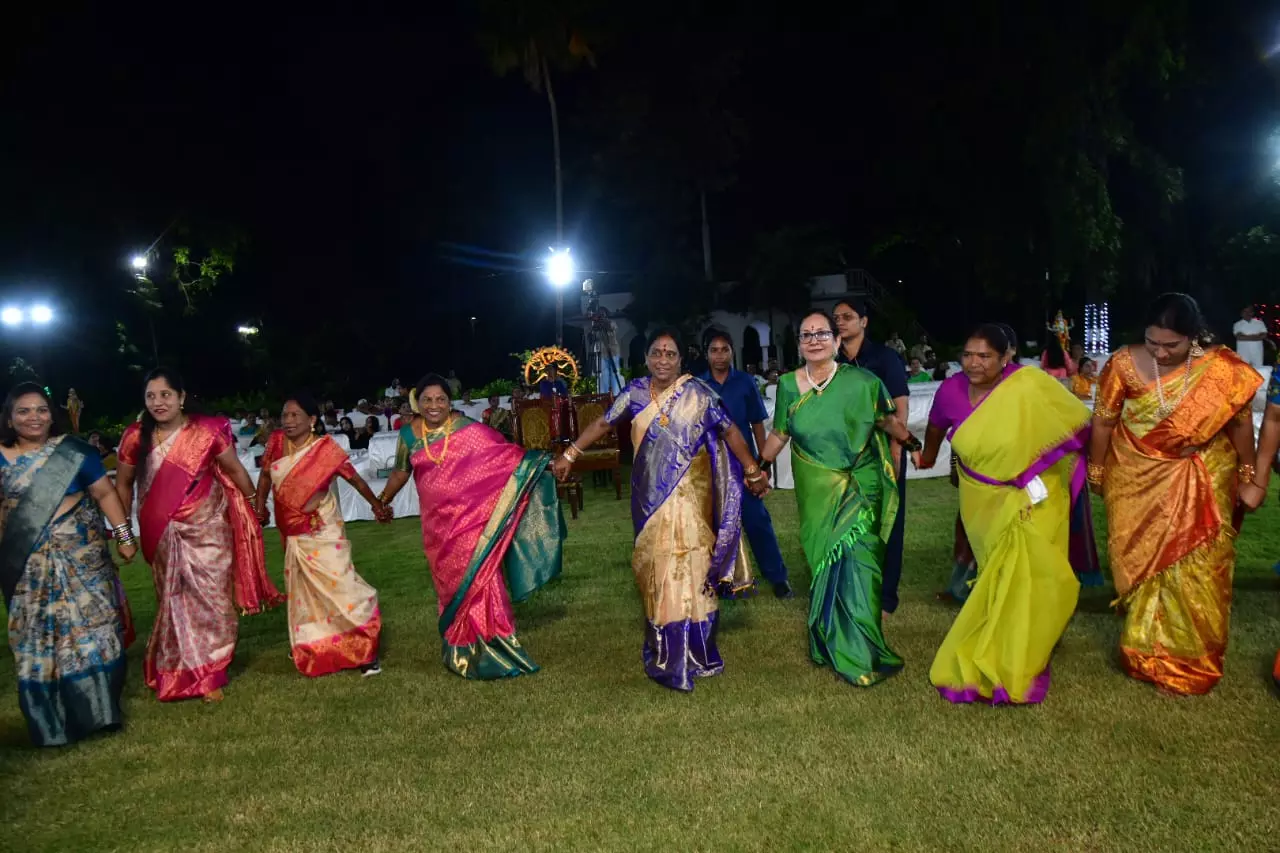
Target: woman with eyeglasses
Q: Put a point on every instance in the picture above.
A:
(1172, 455)
(691, 465)
(839, 419)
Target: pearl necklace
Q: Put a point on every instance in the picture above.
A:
(1166, 408)
(819, 387)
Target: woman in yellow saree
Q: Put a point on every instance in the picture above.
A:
(1021, 467)
(1172, 452)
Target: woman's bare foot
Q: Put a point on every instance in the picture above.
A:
(212, 696)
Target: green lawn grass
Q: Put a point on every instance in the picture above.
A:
(590, 755)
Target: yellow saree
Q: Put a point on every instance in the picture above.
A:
(1170, 491)
(1021, 463)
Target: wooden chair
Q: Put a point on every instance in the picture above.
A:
(603, 456)
(532, 422)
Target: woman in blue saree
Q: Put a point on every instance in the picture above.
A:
(68, 619)
(690, 468)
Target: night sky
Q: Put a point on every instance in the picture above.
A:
(357, 151)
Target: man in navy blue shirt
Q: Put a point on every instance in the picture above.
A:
(856, 348)
(741, 396)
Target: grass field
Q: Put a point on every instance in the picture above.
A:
(775, 754)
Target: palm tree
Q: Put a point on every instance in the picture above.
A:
(531, 38)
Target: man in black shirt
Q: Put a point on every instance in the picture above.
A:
(856, 348)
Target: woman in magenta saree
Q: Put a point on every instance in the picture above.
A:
(491, 529)
(199, 535)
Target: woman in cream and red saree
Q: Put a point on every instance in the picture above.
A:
(686, 505)
(491, 529)
(200, 536)
(1173, 456)
(1021, 470)
(68, 619)
(334, 621)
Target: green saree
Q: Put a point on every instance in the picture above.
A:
(847, 493)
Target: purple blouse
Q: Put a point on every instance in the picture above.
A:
(951, 405)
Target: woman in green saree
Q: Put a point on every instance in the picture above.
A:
(837, 418)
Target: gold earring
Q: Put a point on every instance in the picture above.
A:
(1197, 351)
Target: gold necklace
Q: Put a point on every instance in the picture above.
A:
(664, 397)
(426, 445)
(291, 450)
(161, 436)
(1165, 408)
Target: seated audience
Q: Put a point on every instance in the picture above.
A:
(498, 418)
(1054, 361)
(347, 428)
(1085, 380)
(916, 371)
(371, 427)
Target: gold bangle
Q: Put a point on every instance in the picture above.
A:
(1096, 471)
(754, 469)
(1247, 472)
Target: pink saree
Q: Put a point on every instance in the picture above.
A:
(492, 532)
(205, 551)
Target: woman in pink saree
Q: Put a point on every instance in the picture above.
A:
(200, 536)
(491, 529)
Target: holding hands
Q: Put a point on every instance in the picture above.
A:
(561, 467)
(756, 480)
(1249, 493)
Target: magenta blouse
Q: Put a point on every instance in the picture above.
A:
(951, 401)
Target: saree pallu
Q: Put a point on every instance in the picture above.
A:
(686, 507)
(492, 532)
(66, 610)
(950, 408)
(1027, 436)
(334, 620)
(1170, 489)
(847, 494)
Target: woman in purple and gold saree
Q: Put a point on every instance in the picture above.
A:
(686, 505)
(1022, 467)
(491, 529)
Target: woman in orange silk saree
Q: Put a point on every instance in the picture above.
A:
(492, 530)
(1171, 426)
(201, 538)
(334, 620)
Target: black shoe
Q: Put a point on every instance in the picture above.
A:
(371, 669)
(783, 590)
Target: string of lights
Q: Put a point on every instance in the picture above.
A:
(1097, 328)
